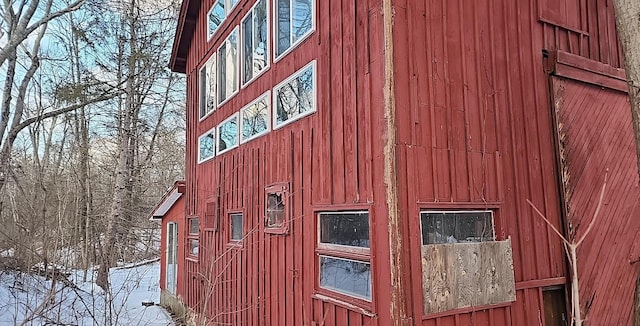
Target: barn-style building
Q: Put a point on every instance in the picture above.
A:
(370, 162)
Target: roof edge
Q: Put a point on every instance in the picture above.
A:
(184, 33)
(167, 201)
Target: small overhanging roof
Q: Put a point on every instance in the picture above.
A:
(168, 200)
(184, 33)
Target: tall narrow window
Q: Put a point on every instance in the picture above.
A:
(277, 210)
(254, 119)
(206, 146)
(343, 249)
(295, 20)
(236, 227)
(228, 134)
(255, 52)
(218, 14)
(295, 97)
(208, 87)
(228, 67)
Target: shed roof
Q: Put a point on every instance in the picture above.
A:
(168, 200)
(184, 33)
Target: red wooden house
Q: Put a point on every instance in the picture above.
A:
(369, 162)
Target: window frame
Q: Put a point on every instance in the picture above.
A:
(213, 61)
(208, 132)
(231, 242)
(347, 253)
(264, 96)
(237, 69)
(227, 4)
(282, 189)
(292, 45)
(314, 92)
(192, 236)
(243, 83)
(455, 211)
(231, 117)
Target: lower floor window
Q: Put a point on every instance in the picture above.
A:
(347, 276)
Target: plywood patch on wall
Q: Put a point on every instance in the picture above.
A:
(460, 275)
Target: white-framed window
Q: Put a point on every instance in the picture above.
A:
(255, 42)
(228, 67)
(235, 227)
(228, 134)
(344, 253)
(456, 226)
(295, 97)
(294, 20)
(193, 237)
(207, 145)
(208, 87)
(217, 14)
(254, 118)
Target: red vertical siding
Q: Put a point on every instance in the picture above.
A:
(597, 135)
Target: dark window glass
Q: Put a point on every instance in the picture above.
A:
(301, 23)
(275, 210)
(247, 48)
(207, 146)
(194, 225)
(194, 245)
(283, 32)
(203, 92)
(455, 227)
(348, 229)
(236, 226)
(346, 276)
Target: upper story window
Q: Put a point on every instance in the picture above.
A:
(207, 145)
(456, 226)
(295, 97)
(228, 134)
(254, 119)
(208, 87)
(228, 67)
(217, 14)
(255, 33)
(295, 20)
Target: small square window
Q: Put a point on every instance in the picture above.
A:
(255, 119)
(456, 226)
(236, 227)
(228, 134)
(277, 212)
(207, 146)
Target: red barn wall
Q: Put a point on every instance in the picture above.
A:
(327, 158)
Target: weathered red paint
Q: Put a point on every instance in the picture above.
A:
(475, 129)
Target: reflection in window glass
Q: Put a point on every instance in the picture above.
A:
(194, 245)
(194, 224)
(255, 119)
(347, 229)
(228, 134)
(217, 15)
(228, 67)
(455, 227)
(208, 87)
(236, 226)
(294, 22)
(206, 146)
(346, 276)
(295, 98)
(275, 210)
(254, 37)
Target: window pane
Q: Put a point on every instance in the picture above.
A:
(194, 245)
(255, 119)
(283, 33)
(301, 19)
(227, 67)
(346, 276)
(228, 134)
(247, 48)
(275, 210)
(454, 227)
(236, 226)
(171, 257)
(295, 97)
(216, 16)
(203, 92)
(194, 224)
(348, 229)
(207, 146)
(211, 84)
(261, 33)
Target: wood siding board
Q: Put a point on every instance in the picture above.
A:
(336, 103)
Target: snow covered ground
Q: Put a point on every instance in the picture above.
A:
(32, 300)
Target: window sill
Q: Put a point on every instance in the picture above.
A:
(342, 303)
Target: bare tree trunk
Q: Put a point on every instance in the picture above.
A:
(628, 25)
